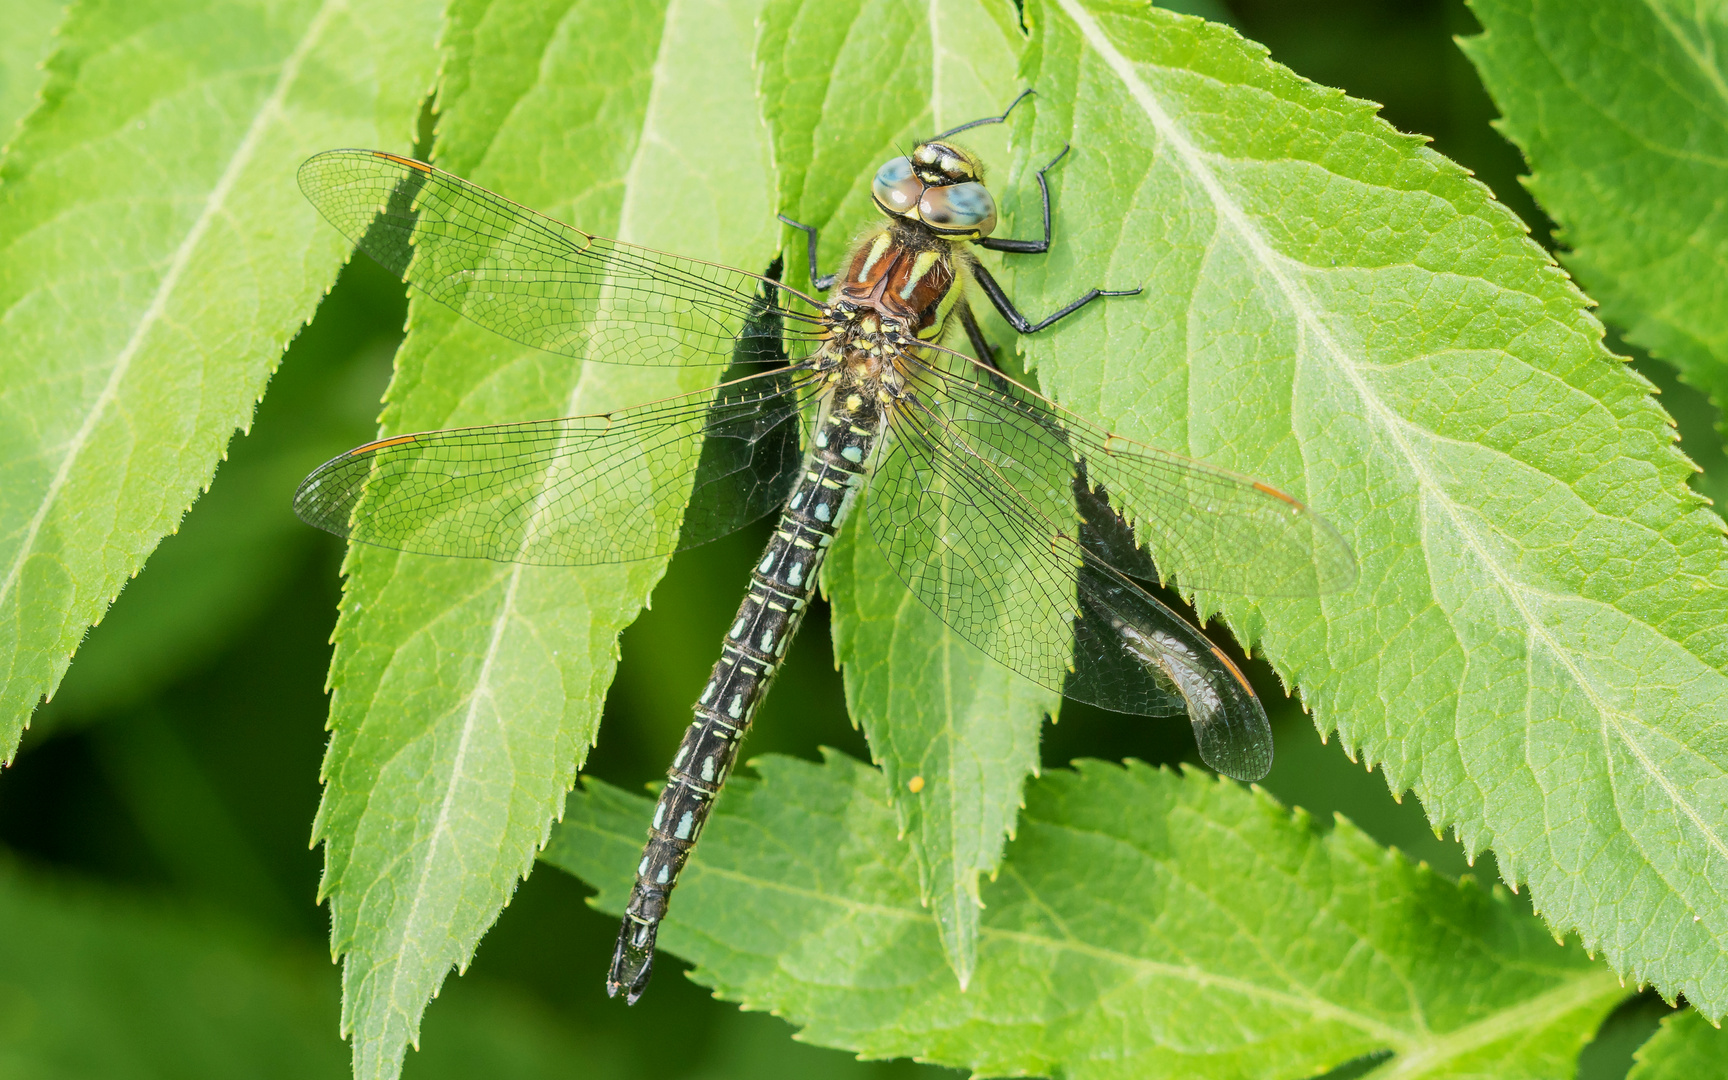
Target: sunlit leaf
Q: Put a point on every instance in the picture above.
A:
(241, 543)
(1536, 644)
(29, 35)
(956, 733)
(940, 715)
(1621, 109)
(1538, 639)
(154, 261)
(467, 693)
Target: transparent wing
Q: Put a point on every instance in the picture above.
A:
(1010, 569)
(582, 490)
(1208, 527)
(535, 280)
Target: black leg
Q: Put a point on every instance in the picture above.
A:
(1020, 322)
(981, 346)
(1024, 94)
(819, 281)
(1030, 247)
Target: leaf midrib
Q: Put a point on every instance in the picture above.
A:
(1587, 985)
(1391, 425)
(1711, 73)
(1573, 990)
(214, 203)
(507, 605)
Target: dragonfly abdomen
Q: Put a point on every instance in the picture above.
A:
(781, 585)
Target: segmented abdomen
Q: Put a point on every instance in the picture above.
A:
(781, 585)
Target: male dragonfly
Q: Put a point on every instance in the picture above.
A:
(1017, 522)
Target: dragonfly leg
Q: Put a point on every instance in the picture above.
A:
(1024, 94)
(981, 346)
(820, 281)
(1020, 322)
(1030, 247)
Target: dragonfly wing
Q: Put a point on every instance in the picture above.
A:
(1124, 635)
(1208, 527)
(1007, 566)
(612, 487)
(535, 280)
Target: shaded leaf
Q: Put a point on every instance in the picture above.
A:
(1144, 924)
(101, 984)
(1686, 1047)
(158, 175)
(1621, 110)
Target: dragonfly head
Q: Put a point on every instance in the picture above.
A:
(940, 186)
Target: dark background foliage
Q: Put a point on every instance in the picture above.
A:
(177, 768)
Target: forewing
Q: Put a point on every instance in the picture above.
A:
(1006, 563)
(606, 488)
(1208, 527)
(535, 280)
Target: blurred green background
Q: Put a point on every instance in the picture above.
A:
(155, 825)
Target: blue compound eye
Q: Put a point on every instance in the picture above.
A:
(896, 188)
(959, 208)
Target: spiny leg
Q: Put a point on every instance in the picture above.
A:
(1020, 322)
(981, 346)
(1030, 247)
(1023, 95)
(819, 281)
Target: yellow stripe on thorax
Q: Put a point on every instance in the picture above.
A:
(877, 250)
(956, 289)
(920, 266)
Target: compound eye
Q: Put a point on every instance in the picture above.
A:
(896, 188)
(959, 208)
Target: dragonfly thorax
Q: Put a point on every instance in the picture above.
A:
(864, 342)
(899, 280)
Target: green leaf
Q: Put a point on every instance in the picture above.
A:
(468, 693)
(1686, 1048)
(241, 543)
(1621, 110)
(932, 706)
(99, 986)
(29, 35)
(955, 733)
(1537, 643)
(1538, 638)
(157, 175)
(845, 86)
(104, 985)
(1145, 923)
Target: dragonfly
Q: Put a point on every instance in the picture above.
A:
(1027, 529)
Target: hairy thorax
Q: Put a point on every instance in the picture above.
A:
(897, 291)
